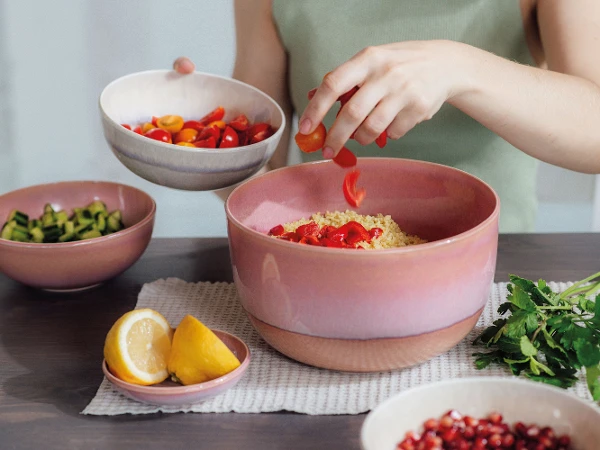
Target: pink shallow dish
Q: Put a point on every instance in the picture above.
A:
(80, 264)
(170, 393)
(365, 310)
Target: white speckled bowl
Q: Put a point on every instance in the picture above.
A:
(518, 400)
(136, 97)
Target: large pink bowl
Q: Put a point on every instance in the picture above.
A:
(365, 310)
(80, 264)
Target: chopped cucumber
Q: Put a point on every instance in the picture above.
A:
(20, 217)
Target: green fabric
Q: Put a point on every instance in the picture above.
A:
(321, 34)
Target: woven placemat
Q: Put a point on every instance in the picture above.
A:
(274, 382)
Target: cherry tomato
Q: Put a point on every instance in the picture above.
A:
(209, 131)
(185, 135)
(240, 123)
(229, 138)
(138, 130)
(186, 144)
(218, 123)
(261, 136)
(159, 135)
(353, 196)
(257, 128)
(209, 142)
(193, 124)
(345, 158)
(147, 127)
(215, 114)
(154, 121)
(124, 125)
(312, 142)
(381, 139)
(343, 99)
(170, 123)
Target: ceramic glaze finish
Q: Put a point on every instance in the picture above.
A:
(516, 399)
(135, 98)
(170, 393)
(347, 294)
(78, 264)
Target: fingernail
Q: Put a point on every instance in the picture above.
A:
(305, 126)
(328, 153)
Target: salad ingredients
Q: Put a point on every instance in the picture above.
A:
(58, 226)
(312, 142)
(455, 431)
(354, 196)
(547, 336)
(137, 347)
(197, 354)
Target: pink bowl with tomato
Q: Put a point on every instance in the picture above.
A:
(367, 310)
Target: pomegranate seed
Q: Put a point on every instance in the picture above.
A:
(521, 445)
(539, 447)
(495, 417)
(548, 432)
(521, 429)
(406, 446)
(564, 440)
(495, 440)
(508, 440)
(450, 435)
(433, 443)
(533, 431)
(480, 443)
(468, 432)
(497, 429)
(446, 422)
(411, 436)
(454, 414)
(431, 425)
(546, 441)
(471, 421)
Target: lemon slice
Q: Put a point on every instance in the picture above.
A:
(137, 347)
(197, 354)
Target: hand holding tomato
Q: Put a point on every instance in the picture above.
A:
(183, 65)
(399, 86)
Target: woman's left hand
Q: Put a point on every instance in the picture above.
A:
(400, 85)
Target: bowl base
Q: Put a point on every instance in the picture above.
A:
(364, 355)
(66, 291)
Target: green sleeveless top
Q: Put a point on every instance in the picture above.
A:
(321, 34)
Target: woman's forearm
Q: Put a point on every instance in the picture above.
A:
(549, 115)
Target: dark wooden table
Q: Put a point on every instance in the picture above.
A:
(51, 350)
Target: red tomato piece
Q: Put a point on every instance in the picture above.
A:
(375, 232)
(312, 142)
(124, 125)
(290, 236)
(240, 123)
(353, 196)
(208, 132)
(345, 158)
(261, 136)
(216, 114)
(138, 130)
(357, 233)
(343, 99)
(326, 242)
(193, 124)
(259, 128)
(229, 139)
(209, 142)
(242, 138)
(154, 121)
(309, 229)
(312, 93)
(159, 134)
(185, 135)
(381, 139)
(277, 230)
(309, 240)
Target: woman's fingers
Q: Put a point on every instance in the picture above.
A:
(379, 119)
(183, 65)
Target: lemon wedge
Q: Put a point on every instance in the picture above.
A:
(137, 347)
(197, 354)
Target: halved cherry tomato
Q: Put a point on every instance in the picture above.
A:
(147, 127)
(381, 139)
(185, 144)
(193, 124)
(343, 99)
(220, 124)
(353, 196)
(124, 125)
(261, 136)
(138, 130)
(345, 158)
(229, 138)
(209, 131)
(154, 121)
(185, 135)
(312, 142)
(356, 233)
(159, 134)
(258, 128)
(170, 123)
(308, 229)
(216, 114)
(209, 142)
(277, 230)
(240, 123)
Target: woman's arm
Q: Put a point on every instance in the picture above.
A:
(261, 61)
(553, 115)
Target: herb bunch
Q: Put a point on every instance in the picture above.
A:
(547, 336)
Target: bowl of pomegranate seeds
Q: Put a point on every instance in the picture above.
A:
(193, 132)
(386, 285)
(483, 413)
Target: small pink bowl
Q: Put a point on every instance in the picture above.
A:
(71, 266)
(170, 393)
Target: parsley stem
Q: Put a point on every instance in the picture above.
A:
(567, 292)
(553, 308)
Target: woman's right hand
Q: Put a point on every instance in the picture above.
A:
(183, 65)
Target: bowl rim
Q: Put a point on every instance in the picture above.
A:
(179, 390)
(376, 252)
(509, 381)
(181, 148)
(86, 242)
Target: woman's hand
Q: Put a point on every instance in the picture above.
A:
(400, 85)
(183, 65)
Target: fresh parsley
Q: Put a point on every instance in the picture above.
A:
(545, 335)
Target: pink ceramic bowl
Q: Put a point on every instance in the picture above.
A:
(170, 393)
(365, 310)
(79, 264)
